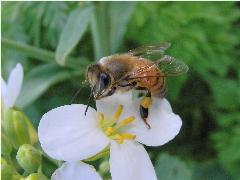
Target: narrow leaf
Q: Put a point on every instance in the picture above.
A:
(74, 29)
(120, 14)
(108, 25)
(100, 30)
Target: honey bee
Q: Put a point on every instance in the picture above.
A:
(135, 70)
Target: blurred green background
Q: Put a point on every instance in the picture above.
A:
(56, 41)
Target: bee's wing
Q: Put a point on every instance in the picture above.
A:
(151, 52)
(170, 66)
(167, 65)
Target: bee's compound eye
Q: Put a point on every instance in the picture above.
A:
(105, 79)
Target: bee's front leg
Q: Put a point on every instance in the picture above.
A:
(145, 103)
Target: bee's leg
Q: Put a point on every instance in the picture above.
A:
(145, 103)
(127, 84)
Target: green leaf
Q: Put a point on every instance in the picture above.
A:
(172, 168)
(120, 14)
(39, 80)
(100, 30)
(225, 92)
(209, 171)
(48, 167)
(74, 29)
(108, 26)
(228, 144)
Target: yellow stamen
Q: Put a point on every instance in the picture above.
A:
(118, 112)
(118, 138)
(120, 141)
(146, 102)
(121, 137)
(109, 130)
(128, 136)
(101, 119)
(114, 129)
(127, 121)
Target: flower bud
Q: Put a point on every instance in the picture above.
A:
(104, 167)
(32, 131)
(6, 146)
(8, 171)
(36, 176)
(18, 128)
(29, 158)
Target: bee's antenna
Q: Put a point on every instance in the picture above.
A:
(78, 91)
(89, 99)
(75, 95)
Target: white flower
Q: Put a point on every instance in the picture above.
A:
(66, 134)
(75, 171)
(12, 88)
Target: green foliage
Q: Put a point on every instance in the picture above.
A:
(39, 80)
(173, 168)
(18, 128)
(109, 23)
(6, 146)
(209, 171)
(228, 143)
(48, 167)
(8, 171)
(73, 30)
(205, 35)
(168, 167)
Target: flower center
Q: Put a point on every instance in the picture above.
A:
(113, 128)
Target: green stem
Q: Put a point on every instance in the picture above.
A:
(25, 174)
(42, 54)
(38, 146)
(98, 156)
(40, 169)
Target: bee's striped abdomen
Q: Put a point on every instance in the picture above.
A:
(159, 90)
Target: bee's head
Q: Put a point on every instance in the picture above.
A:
(100, 80)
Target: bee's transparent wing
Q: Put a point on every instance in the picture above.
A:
(151, 52)
(167, 65)
(170, 66)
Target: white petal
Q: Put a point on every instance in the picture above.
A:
(162, 103)
(130, 161)
(3, 86)
(75, 171)
(109, 105)
(164, 127)
(3, 91)
(14, 85)
(65, 133)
